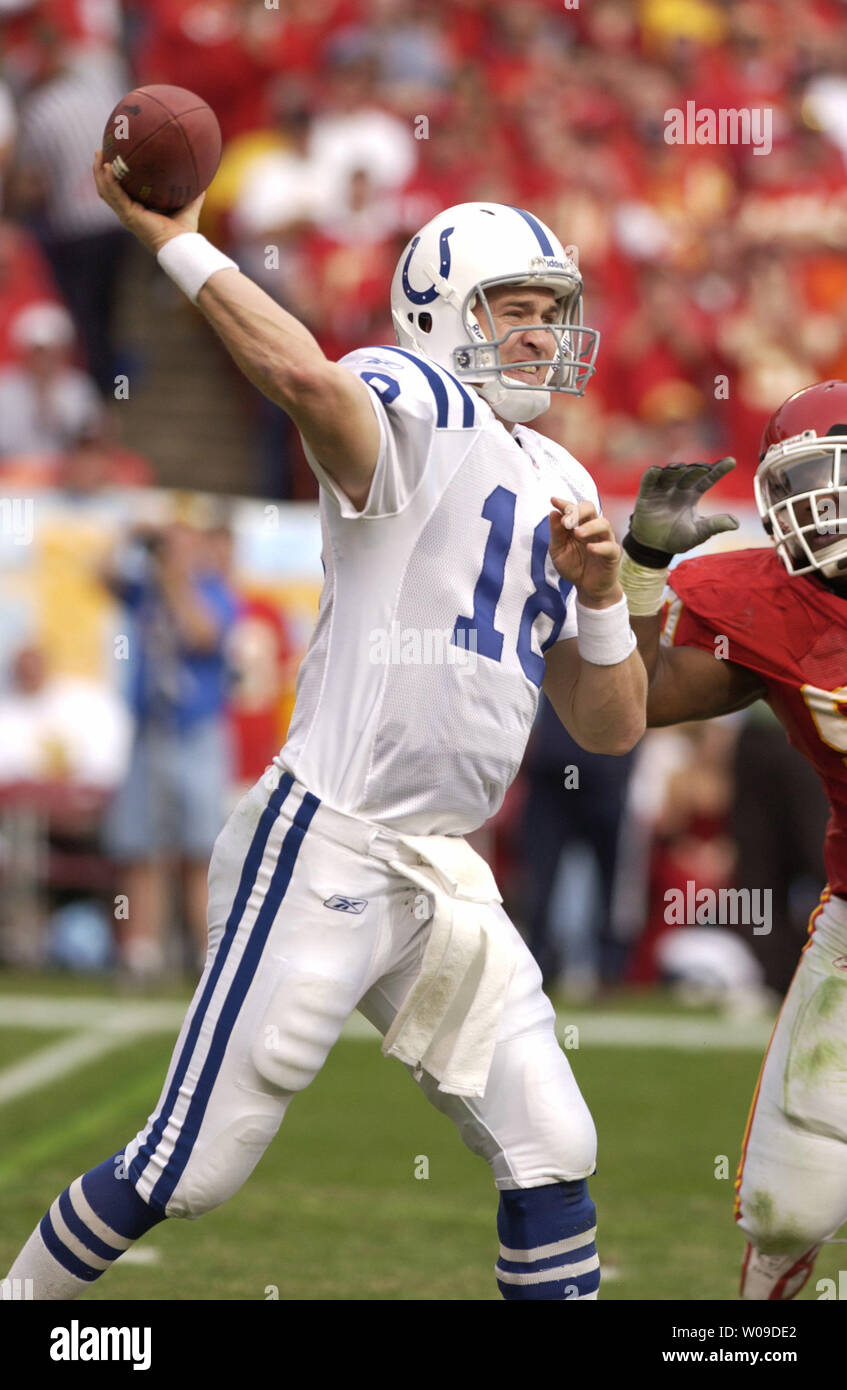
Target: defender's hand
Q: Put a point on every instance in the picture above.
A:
(666, 516)
(584, 550)
(153, 229)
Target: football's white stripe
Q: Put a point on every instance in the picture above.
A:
(546, 1276)
(546, 1252)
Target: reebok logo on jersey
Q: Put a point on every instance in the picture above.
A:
(346, 904)
(77, 1343)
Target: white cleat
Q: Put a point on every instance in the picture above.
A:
(775, 1278)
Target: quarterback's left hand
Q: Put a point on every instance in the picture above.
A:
(584, 550)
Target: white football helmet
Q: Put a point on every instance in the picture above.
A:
(443, 275)
(801, 481)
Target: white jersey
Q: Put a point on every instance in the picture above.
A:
(417, 694)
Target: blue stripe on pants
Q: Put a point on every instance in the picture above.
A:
(238, 990)
(249, 874)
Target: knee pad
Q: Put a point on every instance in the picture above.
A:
(548, 1134)
(300, 1026)
(215, 1172)
(547, 1248)
(532, 1127)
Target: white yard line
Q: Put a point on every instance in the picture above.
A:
(606, 1028)
(40, 1011)
(101, 1025)
(678, 1034)
(50, 1063)
(140, 1255)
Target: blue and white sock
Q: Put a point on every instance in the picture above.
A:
(547, 1248)
(86, 1229)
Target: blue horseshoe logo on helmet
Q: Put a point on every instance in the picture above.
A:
(427, 296)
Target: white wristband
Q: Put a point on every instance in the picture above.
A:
(604, 636)
(643, 587)
(189, 259)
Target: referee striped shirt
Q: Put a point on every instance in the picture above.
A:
(61, 127)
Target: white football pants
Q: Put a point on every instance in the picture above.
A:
(792, 1179)
(286, 968)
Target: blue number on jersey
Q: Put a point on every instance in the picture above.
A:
(543, 599)
(499, 509)
(392, 387)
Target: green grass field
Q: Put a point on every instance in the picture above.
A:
(335, 1210)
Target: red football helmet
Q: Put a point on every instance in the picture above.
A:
(801, 481)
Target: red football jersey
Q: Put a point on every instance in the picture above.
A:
(793, 633)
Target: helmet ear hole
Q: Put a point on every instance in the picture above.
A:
(425, 322)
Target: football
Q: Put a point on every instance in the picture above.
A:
(164, 144)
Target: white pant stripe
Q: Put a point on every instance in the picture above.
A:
(75, 1246)
(545, 1252)
(548, 1276)
(86, 1213)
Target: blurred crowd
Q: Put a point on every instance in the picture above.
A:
(716, 273)
(127, 735)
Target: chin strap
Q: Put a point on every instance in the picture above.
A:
(515, 405)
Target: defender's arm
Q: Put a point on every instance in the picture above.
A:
(685, 682)
(689, 683)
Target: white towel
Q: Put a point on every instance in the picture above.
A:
(448, 1022)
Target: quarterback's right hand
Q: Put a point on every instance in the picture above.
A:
(152, 228)
(666, 516)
